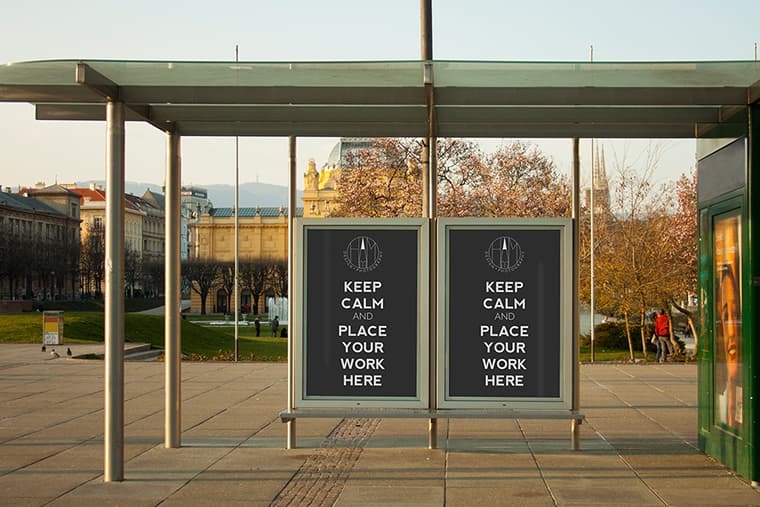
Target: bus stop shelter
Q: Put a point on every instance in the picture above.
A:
(715, 102)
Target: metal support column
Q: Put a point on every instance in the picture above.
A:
(236, 269)
(433, 311)
(429, 198)
(574, 429)
(173, 399)
(291, 444)
(114, 294)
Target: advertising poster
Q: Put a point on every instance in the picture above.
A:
(361, 329)
(728, 321)
(506, 329)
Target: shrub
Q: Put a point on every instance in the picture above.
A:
(611, 335)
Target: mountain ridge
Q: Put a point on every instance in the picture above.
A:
(222, 196)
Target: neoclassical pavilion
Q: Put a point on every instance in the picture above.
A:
(713, 101)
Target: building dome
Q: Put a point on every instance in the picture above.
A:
(346, 145)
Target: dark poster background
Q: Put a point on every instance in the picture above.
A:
(391, 257)
(539, 270)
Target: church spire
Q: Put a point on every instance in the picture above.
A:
(599, 180)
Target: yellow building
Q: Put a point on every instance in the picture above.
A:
(262, 235)
(264, 231)
(319, 190)
(320, 187)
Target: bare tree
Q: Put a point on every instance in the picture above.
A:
(278, 278)
(226, 271)
(153, 272)
(92, 260)
(203, 277)
(254, 275)
(13, 259)
(132, 270)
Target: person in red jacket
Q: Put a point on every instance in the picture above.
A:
(662, 331)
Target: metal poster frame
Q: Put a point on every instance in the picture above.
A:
(567, 340)
(299, 370)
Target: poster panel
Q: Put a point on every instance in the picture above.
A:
(728, 321)
(362, 313)
(504, 331)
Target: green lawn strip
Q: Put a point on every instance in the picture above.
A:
(197, 342)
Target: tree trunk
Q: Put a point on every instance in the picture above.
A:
(203, 302)
(255, 308)
(690, 322)
(643, 335)
(628, 334)
(673, 342)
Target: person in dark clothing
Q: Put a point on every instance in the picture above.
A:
(257, 325)
(275, 326)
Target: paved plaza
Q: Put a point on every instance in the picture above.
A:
(638, 444)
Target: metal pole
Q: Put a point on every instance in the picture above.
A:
(426, 29)
(291, 443)
(433, 322)
(429, 191)
(173, 399)
(576, 182)
(114, 302)
(426, 52)
(594, 161)
(237, 252)
(237, 225)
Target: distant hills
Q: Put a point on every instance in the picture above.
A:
(223, 196)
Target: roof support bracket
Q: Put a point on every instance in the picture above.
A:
(97, 82)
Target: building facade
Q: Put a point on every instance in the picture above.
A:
(262, 239)
(39, 244)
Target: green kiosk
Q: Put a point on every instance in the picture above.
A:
(728, 276)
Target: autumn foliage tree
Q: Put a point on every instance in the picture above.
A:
(516, 180)
(682, 254)
(644, 245)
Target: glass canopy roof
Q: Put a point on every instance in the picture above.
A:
(471, 99)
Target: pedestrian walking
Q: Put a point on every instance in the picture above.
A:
(257, 325)
(662, 331)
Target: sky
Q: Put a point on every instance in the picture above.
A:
(335, 30)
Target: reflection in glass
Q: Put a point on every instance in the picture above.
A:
(728, 323)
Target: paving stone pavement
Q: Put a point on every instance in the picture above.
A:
(639, 444)
(321, 478)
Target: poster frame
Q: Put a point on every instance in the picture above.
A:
(299, 372)
(567, 341)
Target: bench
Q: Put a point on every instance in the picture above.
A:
(575, 418)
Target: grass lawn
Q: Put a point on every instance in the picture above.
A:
(602, 355)
(201, 343)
